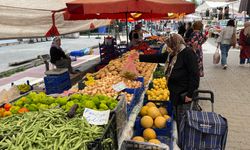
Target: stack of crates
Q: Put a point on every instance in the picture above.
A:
(57, 81)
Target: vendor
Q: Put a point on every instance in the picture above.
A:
(181, 71)
(136, 35)
(58, 56)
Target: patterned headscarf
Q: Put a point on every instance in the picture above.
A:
(247, 28)
(174, 42)
(55, 42)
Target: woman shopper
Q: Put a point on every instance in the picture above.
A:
(226, 40)
(189, 31)
(181, 70)
(196, 40)
(58, 56)
(244, 45)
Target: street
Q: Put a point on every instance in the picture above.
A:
(232, 95)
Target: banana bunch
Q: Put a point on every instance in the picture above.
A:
(90, 80)
(24, 88)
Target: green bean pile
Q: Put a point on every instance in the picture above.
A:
(47, 130)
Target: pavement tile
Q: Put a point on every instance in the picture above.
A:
(232, 95)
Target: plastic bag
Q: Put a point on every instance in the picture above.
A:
(13, 92)
(129, 68)
(4, 96)
(216, 57)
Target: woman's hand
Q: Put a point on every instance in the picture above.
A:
(187, 99)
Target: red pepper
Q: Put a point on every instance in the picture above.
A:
(7, 106)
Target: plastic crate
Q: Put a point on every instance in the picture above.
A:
(76, 53)
(133, 102)
(133, 145)
(60, 88)
(109, 133)
(53, 80)
(167, 131)
(164, 133)
(140, 89)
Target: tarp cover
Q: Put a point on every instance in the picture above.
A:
(33, 18)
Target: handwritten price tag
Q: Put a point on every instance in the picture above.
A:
(119, 86)
(96, 117)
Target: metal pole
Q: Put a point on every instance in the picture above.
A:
(127, 27)
(233, 9)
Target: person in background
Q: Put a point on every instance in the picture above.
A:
(181, 28)
(220, 15)
(189, 31)
(181, 71)
(135, 36)
(226, 12)
(225, 41)
(196, 40)
(244, 46)
(58, 56)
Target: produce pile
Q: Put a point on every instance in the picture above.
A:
(115, 68)
(40, 101)
(47, 130)
(104, 86)
(159, 91)
(96, 102)
(159, 72)
(152, 117)
(128, 97)
(23, 88)
(102, 81)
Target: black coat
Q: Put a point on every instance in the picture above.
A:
(56, 54)
(184, 76)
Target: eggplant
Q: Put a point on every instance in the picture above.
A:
(72, 111)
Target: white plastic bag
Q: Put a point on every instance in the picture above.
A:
(216, 57)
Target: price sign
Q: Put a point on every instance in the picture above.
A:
(119, 86)
(96, 117)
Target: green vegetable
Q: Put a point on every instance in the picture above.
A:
(112, 105)
(69, 105)
(31, 107)
(19, 103)
(14, 109)
(75, 96)
(89, 104)
(62, 100)
(103, 106)
(53, 105)
(42, 106)
(50, 100)
(49, 129)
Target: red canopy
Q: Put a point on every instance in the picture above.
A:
(135, 16)
(130, 6)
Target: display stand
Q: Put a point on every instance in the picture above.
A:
(128, 131)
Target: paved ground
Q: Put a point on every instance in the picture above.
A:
(26, 51)
(232, 95)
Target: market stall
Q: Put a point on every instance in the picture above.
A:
(125, 104)
(98, 93)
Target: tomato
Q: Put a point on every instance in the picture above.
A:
(7, 106)
(23, 110)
